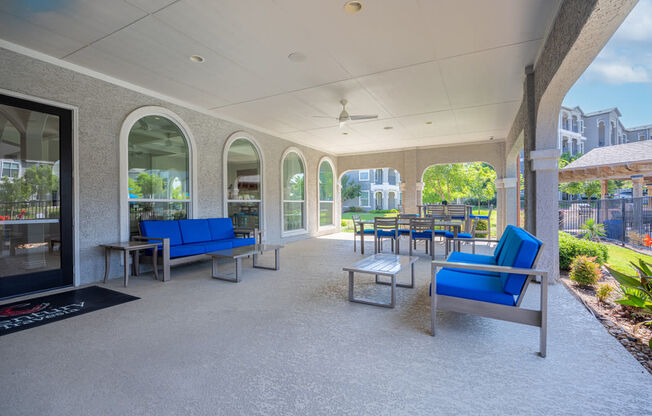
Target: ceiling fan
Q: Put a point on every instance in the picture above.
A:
(344, 116)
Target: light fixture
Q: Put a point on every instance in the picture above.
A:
(428, 122)
(491, 138)
(353, 7)
(388, 127)
(297, 57)
(197, 58)
(344, 133)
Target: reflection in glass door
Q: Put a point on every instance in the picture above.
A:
(35, 197)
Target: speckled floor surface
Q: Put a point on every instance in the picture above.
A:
(289, 343)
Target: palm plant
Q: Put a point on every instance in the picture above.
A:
(593, 230)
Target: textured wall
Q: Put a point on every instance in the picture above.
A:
(102, 109)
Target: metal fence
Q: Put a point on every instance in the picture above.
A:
(29, 210)
(626, 220)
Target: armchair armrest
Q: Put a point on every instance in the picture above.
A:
(490, 268)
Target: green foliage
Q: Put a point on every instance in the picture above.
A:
(571, 247)
(15, 190)
(134, 188)
(593, 230)
(350, 190)
(461, 180)
(603, 293)
(584, 271)
(42, 181)
(384, 211)
(344, 223)
(150, 185)
(636, 290)
(354, 209)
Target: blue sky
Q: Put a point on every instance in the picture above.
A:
(621, 75)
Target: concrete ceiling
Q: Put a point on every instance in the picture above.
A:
(436, 71)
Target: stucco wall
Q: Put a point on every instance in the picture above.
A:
(102, 108)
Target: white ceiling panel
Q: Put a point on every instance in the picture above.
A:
(486, 77)
(258, 36)
(411, 90)
(76, 22)
(441, 123)
(376, 130)
(386, 34)
(488, 117)
(479, 25)
(150, 6)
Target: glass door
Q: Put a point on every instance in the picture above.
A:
(35, 197)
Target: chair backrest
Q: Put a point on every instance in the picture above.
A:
(355, 218)
(422, 224)
(407, 216)
(435, 210)
(457, 211)
(521, 249)
(162, 229)
(386, 223)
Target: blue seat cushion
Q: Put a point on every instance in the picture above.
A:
(479, 217)
(422, 234)
(194, 231)
(162, 229)
(216, 245)
(403, 231)
(186, 250)
(448, 234)
(220, 228)
(472, 286)
(519, 250)
(366, 231)
(460, 257)
(383, 233)
(239, 242)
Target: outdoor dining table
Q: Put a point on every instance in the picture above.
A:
(454, 225)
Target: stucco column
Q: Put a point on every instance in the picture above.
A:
(506, 204)
(385, 198)
(637, 186)
(649, 190)
(545, 164)
(419, 187)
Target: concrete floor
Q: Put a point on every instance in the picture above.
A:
(289, 342)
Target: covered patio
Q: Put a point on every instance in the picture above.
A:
(289, 342)
(148, 112)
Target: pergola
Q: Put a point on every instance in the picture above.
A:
(630, 161)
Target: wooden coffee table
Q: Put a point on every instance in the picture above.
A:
(237, 254)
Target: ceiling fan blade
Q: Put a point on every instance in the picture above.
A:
(363, 117)
(332, 118)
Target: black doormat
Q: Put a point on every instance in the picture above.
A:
(39, 311)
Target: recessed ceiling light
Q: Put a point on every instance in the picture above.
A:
(388, 127)
(491, 138)
(197, 58)
(353, 7)
(297, 57)
(344, 133)
(428, 122)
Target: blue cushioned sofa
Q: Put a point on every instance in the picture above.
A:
(492, 286)
(183, 241)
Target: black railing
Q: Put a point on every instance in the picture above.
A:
(625, 220)
(29, 210)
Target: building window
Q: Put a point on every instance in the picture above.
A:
(363, 175)
(158, 171)
(379, 176)
(601, 133)
(293, 192)
(326, 192)
(364, 198)
(243, 184)
(640, 139)
(10, 169)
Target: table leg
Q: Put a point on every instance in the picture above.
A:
(155, 262)
(361, 238)
(277, 261)
(136, 262)
(126, 270)
(228, 278)
(107, 261)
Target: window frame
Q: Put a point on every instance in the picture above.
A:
(225, 177)
(360, 199)
(360, 179)
(304, 219)
(319, 200)
(127, 125)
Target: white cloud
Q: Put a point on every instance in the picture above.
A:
(617, 73)
(637, 27)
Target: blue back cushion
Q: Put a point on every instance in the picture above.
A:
(519, 250)
(508, 230)
(221, 228)
(194, 231)
(162, 229)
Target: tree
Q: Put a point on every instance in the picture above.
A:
(350, 190)
(593, 230)
(42, 181)
(481, 181)
(445, 182)
(134, 188)
(591, 189)
(14, 191)
(150, 185)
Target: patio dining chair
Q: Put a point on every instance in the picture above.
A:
(461, 237)
(386, 228)
(435, 211)
(423, 229)
(485, 218)
(403, 229)
(357, 231)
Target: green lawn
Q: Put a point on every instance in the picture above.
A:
(620, 258)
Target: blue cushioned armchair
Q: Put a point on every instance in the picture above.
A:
(184, 241)
(493, 286)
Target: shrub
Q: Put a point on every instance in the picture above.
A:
(571, 247)
(344, 223)
(384, 211)
(585, 271)
(604, 291)
(354, 209)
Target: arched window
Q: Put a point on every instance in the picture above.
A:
(601, 133)
(243, 183)
(158, 171)
(293, 205)
(326, 193)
